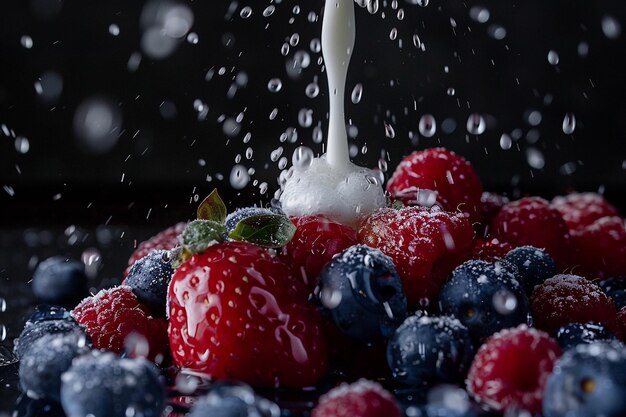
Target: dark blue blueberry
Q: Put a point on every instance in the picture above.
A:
(243, 213)
(533, 264)
(34, 331)
(46, 360)
(427, 350)
(233, 400)
(574, 334)
(486, 297)
(103, 385)
(150, 277)
(60, 281)
(362, 292)
(45, 312)
(588, 381)
(616, 289)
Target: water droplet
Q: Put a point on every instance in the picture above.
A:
(193, 38)
(505, 142)
(535, 158)
(274, 85)
(231, 127)
(315, 45)
(239, 177)
(497, 32)
(451, 91)
(305, 118)
(330, 298)
(427, 126)
(186, 384)
(276, 154)
(3, 332)
(97, 124)
(3, 305)
(569, 123)
(136, 345)
(269, 10)
(417, 41)
(92, 259)
(583, 49)
(372, 6)
(312, 90)
(26, 41)
(611, 28)
(393, 34)
(553, 57)
(476, 124)
(534, 118)
(245, 12)
(479, 14)
(22, 145)
(390, 132)
(114, 29)
(357, 93)
(504, 302)
(302, 158)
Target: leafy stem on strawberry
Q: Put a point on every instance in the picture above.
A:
(266, 230)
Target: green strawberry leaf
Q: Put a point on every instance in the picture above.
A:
(267, 230)
(212, 208)
(200, 234)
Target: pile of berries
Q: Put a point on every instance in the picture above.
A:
(459, 302)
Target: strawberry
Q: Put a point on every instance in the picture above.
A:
(316, 241)
(440, 177)
(580, 210)
(532, 221)
(164, 240)
(237, 312)
(424, 244)
(112, 316)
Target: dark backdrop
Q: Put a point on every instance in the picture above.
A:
(167, 148)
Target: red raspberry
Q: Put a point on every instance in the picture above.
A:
(237, 312)
(565, 299)
(532, 221)
(361, 399)
(490, 250)
(582, 209)
(166, 240)
(424, 244)
(491, 204)
(454, 181)
(110, 316)
(511, 369)
(314, 244)
(601, 248)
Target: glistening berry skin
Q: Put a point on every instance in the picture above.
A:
(150, 277)
(362, 293)
(60, 281)
(34, 331)
(574, 334)
(233, 400)
(101, 384)
(533, 264)
(427, 350)
(588, 381)
(485, 297)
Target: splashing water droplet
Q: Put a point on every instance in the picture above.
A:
(3, 332)
(476, 124)
(302, 158)
(245, 12)
(535, 158)
(506, 142)
(611, 28)
(427, 126)
(269, 10)
(97, 124)
(312, 90)
(3, 305)
(451, 91)
(553, 57)
(26, 41)
(569, 123)
(186, 384)
(274, 85)
(357, 93)
(92, 259)
(239, 177)
(305, 118)
(22, 145)
(390, 132)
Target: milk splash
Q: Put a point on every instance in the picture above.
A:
(331, 185)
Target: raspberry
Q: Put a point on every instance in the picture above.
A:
(582, 209)
(512, 368)
(565, 299)
(601, 248)
(237, 312)
(491, 204)
(424, 244)
(490, 250)
(314, 244)
(438, 176)
(110, 316)
(164, 240)
(361, 399)
(532, 221)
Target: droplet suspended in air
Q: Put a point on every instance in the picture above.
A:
(535, 158)
(506, 142)
(569, 123)
(274, 85)
(245, 12)
(239, 177)
(357, 93)
(97, 124)
(427, 126)
(302, 158)
(476, 124)
(312, 90)
(611, 28)
(269, 10)
(553, 57)
(390, 132)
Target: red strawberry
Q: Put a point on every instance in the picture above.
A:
(166, 239)
(601, 248)
(237, 312)
(565, 299)
(490, 250)
(361, 399)
(511, 369)
(424, 244)
(532, 221)
(314, 244)
(455, 184)
(111, 316)
(582, 209)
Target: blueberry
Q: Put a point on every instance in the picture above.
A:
(615, 288)
(426, 350)
(60, 281)
(485, 297)
(101, 384)
(233, 400)
(34, 331)
(574, 334)
(243, 213)
(362, 292)
(44, 312)
(46, 360)
(150, 277)
(588, 381)
(533, 264)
